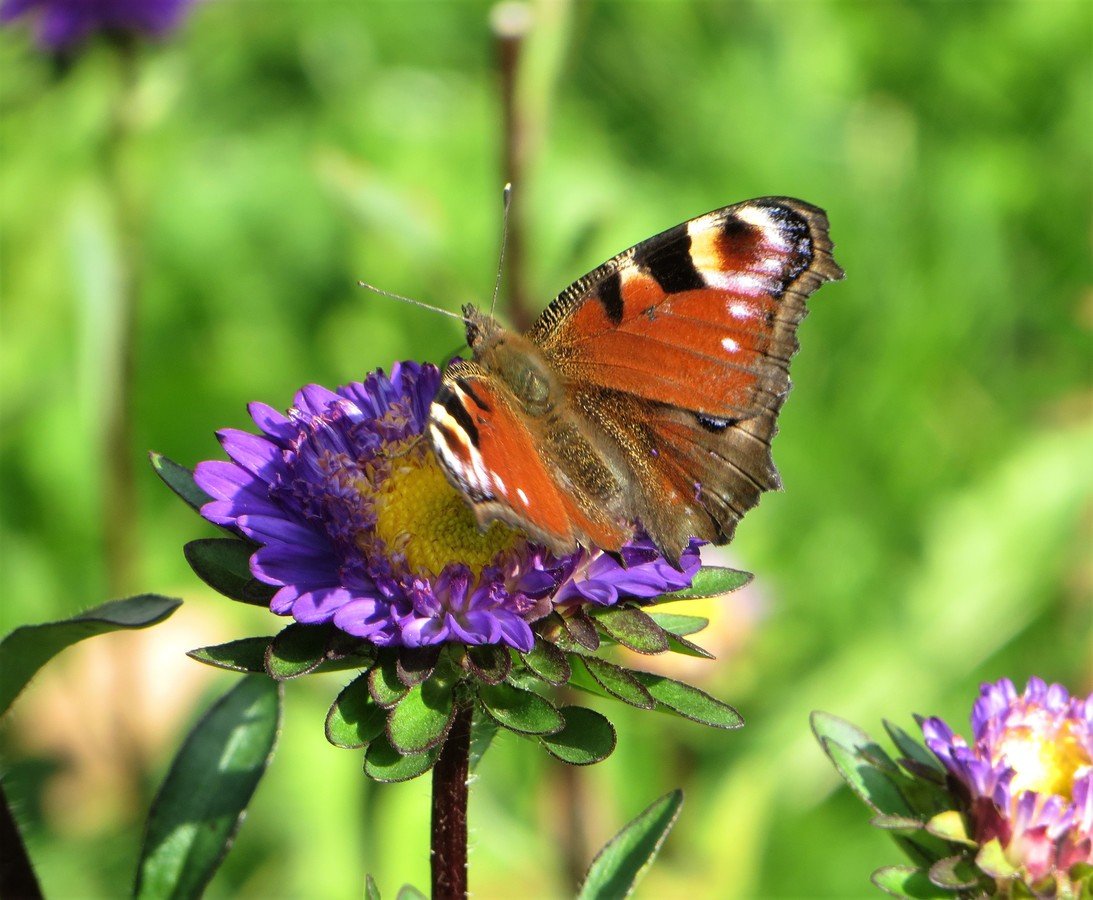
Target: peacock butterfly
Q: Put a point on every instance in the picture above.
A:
(645, 395)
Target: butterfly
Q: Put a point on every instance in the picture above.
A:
(644, 397)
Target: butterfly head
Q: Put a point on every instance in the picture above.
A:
(481, 327)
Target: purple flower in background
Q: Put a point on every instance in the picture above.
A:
(1028, 774)
(62, 24)
(358, 525)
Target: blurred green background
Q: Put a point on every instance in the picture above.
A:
(935, 527)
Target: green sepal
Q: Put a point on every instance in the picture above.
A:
(909, 882)
(384, 763)
(297, 650)
(521, 711)
(383, 681)
(371, 889)
(179, 479)
(355, 719)
(243, 655)
(627, 856)
(421, 719)
(224, 565)
(202, 801)
(483, 730)
(490, 663)
(413, 665)
(914, 751)
(991, 858)
(899, 824)
(617, 681)
(26, 649)
(677, 644)
(954, 873)
(689, 702)
(580, 627)
(632, 628)
(709, 581)
(950, 826)
(863, 764)
(586, 738)
(548, 662)
(680, 625)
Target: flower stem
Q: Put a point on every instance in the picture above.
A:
(449, 822)
(17, 878)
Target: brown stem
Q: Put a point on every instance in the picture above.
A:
(510, 24)
(17, 878)
(449, 821)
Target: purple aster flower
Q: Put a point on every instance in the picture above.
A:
(357, 525)
(1028, 774)
(62, 24)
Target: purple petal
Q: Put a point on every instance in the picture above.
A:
(282, 601)
(275, 424)
(279, 564)
(275, 529)
(320, 605)
(256, 454)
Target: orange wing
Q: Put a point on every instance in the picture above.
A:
(702, 317)
(489, 452)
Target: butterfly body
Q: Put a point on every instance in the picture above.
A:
(645, 396)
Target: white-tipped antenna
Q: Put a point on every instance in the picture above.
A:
(507, 193)
(411, 301)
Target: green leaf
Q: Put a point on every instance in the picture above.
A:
(383, 762)
(483, 731)
(632, 628)
(201, 802)
(371, 891)
(179, 479)
(874, 786)
(950, 826)
(709, 581)
(355, 718)
(519, 710)
(548, 662)
(414, 664)
(912, 749)
(244, 655)
(690, 702)
(409, 892)
(954, 873)
(26, 649)
(853, 739)
(677, 644)
(907, 881)
(618, 682)
(679, 624)
(422, 718)
(901, 824)
(586, 738)
(618, 866)
(297, 650)
(580, 627)
(224, 565)
(383, 682)
(490, 663)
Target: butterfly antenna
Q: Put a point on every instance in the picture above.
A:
(504, 240)
(411, 301)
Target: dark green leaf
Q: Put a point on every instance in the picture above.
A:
(490, 663)
(26, 649)
(383, 762)
(586, 738)
(519, 710)
(618, 682)
(297, 650)
(632, 628)
(383, 682)
(872, 785)
(709, 581)
(483, 731)
(179, 479)
(355, 719)
(907, 881)
(414, 664)
(548, 662)
(371, 891)
(679, 624)
(244, 655)
(690, 702)
(677, 644)
(202, 801)
(618, 866)
(849, 736)
(224, 565)
(580, 627)
(421, 719)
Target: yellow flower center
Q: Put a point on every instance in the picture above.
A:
(1046, 759)
(419, 514)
